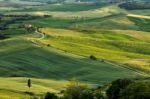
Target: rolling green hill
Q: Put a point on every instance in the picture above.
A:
(68, 34)
(38, 60)
(102, 44)
(17, 88)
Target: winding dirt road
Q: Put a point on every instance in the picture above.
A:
(42, 35)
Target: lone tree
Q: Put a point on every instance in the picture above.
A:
(29, 83)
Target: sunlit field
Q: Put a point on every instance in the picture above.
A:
(53, 42)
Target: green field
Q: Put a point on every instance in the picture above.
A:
(53, 63)
(62, 7)
(61, 49)
(16, 87)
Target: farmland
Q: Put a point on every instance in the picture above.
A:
(54, 43)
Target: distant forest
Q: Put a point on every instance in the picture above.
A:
(135, 5)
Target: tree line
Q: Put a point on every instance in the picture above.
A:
(135, 5)
(118, 89)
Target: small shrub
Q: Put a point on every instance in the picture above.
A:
(87, 94)
(102, 60)
(48, 45)
(2, 36)
(93, 57)
(50, 96)
(34, 97)
(74, 90)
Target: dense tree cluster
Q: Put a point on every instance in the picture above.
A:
(5, 20)
(76, 90)
(50, 96)
(137, 90)
(135, 5)
(119, 89)
(116, 86)
(2, 36)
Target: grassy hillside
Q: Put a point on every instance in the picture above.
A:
(27, 59)
(126, 37)
(61, 49)
(81, 11)
(63, 7)
(127, 45)
(102, 44)
(17, 87)
(117, 22)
